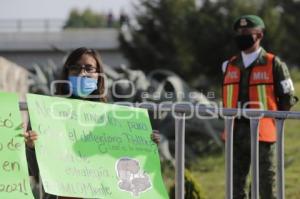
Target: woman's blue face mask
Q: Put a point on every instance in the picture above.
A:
(82, 86)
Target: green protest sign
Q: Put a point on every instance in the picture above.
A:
(95, 150)
(14, 178)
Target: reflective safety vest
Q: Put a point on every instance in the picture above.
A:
(261, 93)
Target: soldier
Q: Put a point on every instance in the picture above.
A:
(255, 79)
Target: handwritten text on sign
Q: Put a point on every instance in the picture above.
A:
(14, 178)
(95, 150)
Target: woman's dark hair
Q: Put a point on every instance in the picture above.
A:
(72, 59)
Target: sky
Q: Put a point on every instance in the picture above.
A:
(58, 9)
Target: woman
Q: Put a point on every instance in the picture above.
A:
(84, 72)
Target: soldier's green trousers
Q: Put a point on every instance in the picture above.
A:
(242, 161)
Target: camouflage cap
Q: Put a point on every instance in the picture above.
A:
(249, 21)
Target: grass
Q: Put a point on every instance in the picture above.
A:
(210, 169)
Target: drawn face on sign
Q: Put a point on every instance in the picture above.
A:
(131, 178)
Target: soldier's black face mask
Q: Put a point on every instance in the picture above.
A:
(244, 42)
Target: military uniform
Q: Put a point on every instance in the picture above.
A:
(283, 92)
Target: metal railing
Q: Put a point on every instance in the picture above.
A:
(25, 25)
(229, 115)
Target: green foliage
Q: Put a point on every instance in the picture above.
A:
(295, 74)
(86, 19)
(291, 20)
(193, 41)
(161, 41)
(192, 188)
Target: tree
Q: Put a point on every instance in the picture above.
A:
(291, 20)
(192, 40)
(160, 41)
(86, 19)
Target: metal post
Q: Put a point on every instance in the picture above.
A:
(19, 25)
(229, 122)
(179, 154)
(47, 25)
(280, 159)
(254, 158)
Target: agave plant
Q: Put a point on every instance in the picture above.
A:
(41, 77)
(156, 85)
